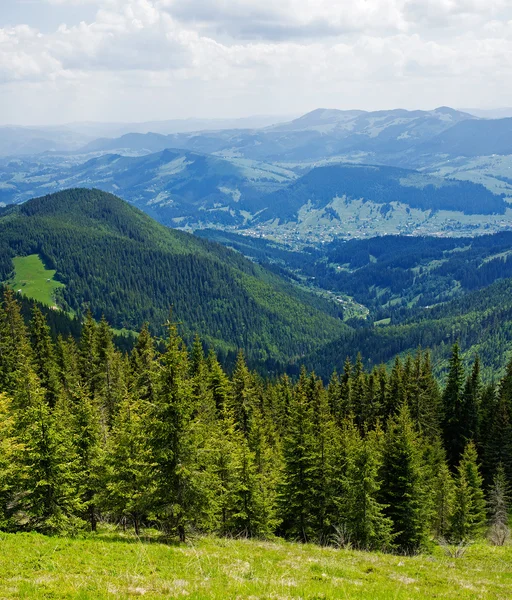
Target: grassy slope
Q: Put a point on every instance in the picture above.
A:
(107, 566)
(34, 279)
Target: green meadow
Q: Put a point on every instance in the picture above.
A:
(117, 566)
(34, 280)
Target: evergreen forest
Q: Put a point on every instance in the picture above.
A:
(162, 437)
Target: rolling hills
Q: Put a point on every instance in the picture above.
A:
(119, 262)
(190, 190)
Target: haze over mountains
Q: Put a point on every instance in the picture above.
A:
(255, 176)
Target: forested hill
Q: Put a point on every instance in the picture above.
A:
(481, 321)
(381, 185)
(119, 262)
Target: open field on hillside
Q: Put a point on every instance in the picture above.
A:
(34, 280)
(109, 566)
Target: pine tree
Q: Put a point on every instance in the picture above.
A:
(129, 489)
(403, 486)
(443, 501)
(453, 432)
(499, 499)
(323, 444)
(44, 357)
(143, 367)
(296, 497)
(471, 404)
(470, 510)
(50, 502)
(172, 438)
(241, 400)
(12, 471)
(362, 513)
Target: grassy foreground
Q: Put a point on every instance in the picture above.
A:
(111, 566)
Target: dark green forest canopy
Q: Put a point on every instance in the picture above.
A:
(163, 437)
(120, 263)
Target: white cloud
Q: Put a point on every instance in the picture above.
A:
(141, 59)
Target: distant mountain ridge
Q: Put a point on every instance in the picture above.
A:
(320, 133)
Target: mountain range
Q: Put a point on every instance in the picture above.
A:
(326, 174)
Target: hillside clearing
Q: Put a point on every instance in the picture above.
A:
(34, 280)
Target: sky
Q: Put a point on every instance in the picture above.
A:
(139, 60)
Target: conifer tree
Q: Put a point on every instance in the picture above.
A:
(143, 367)
(89, 435)
(264, 444)
(362, 513)
(88, 357)
(471, 404)
(50, 502)
(453, 432)
(44, 356)
(499, 499)
(323, 444)
(110, 386)
(172, 438)
(443, 501)
(296, 490)
(358, 392)
(130, 482)
(403, 487)
(470, 509)
(498, 443)
(395, 395)
(241, 400)
(12, 471)
(15, 351)
(218, 382)
(423, 396)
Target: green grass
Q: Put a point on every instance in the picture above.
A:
(115, 567)
(34, 280)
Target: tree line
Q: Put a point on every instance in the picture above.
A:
(163, 437)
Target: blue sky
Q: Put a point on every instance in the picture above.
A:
(137, 60)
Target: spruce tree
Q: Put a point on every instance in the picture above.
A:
(296, 496)
(403, 484)
(443, 501)
(453, 431)
(12, 471)
(172, 438)
(241, 399)
(51, 501)
(143, 367)
(470, 417)
(129, 480)
(44, 356)
(470, 508)
(362, 513)
(499, 499)
(323, 443)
